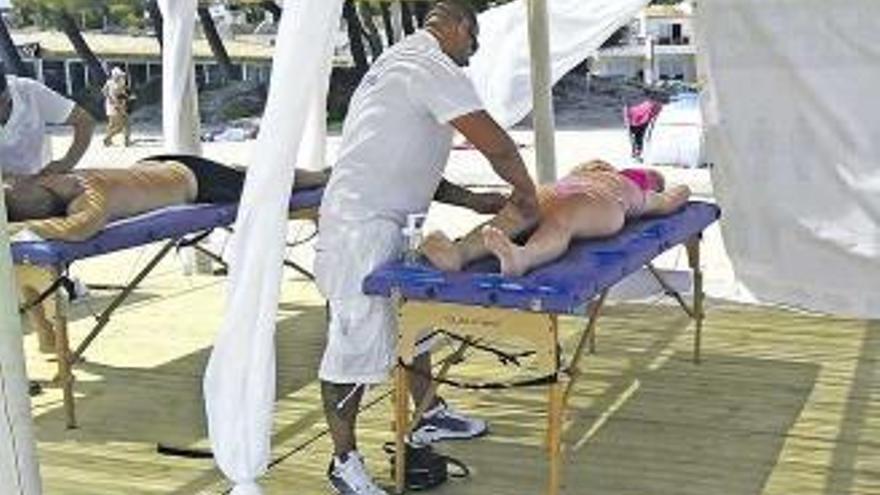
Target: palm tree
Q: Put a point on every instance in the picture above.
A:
(367, 13)
(356, 42)
(152, 7)
(387, 23)
(9, 54)
(67, 24)
(214, 41)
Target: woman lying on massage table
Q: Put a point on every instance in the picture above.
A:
(594, 200)
(77, 205)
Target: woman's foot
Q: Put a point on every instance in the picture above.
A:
(441, 252)
(509, 254)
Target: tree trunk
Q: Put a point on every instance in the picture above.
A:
(386, 22)
(217, 47)
(68, 26)
(273, 9)
(9, 54)
(407, 18)
(422, 9)
(156, 19)
(356, 43)
(372, 34)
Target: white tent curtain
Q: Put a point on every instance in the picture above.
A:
(677, 134)
(239, 383)
(19, 472)
(793, 129)
(501, 69)
(180, 109)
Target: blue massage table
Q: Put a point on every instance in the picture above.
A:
(42, 267)
(479, 305)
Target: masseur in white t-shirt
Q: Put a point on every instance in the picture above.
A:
(26, 107)
(396, 141)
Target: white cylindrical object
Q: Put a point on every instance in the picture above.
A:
(412, 236)
(542, 85)
(19, 471)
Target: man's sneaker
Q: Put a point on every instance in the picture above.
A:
(350, 477)
(444, 423)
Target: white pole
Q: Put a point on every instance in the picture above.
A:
(19, 471)
(542, 85)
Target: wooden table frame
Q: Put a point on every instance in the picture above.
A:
(44, 304)
(538, 329)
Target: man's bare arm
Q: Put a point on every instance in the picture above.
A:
(453, 194)
(496, 145)
(83, 127)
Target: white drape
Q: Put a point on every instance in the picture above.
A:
(500, 69)
(793, 128)
(180, 108)
(239, 383)
(677, 134)
(19, 472)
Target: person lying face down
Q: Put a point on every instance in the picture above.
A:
(593, 200)
(77, 205)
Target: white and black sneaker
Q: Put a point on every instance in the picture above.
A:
(444, 423)
(350, 477)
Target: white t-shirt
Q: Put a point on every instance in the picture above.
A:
(396, 137)
(24, 146)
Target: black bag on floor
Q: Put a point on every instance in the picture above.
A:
(426, 469)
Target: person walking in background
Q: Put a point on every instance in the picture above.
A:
(116, 100)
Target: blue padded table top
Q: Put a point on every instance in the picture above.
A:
(563, 286)
(171, 222)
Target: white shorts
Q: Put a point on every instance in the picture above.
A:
(362, 332)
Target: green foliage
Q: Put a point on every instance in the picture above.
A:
(91, 14)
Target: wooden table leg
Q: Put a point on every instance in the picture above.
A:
(693, 250)
(401, 426)
(65, 363)
(49, 320)
(554, 437)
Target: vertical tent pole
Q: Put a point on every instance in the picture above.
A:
(542, 85)
(19, 472)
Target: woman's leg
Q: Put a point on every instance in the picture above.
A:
(450, 255)
(570, 217)
(666, 202)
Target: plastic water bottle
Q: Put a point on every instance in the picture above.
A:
(412, 237)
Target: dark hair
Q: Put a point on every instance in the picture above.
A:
(19, 209)
(458, 10)
(2, 77)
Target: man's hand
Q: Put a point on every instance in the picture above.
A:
(526, 202)
(56, 167)
(487, 203)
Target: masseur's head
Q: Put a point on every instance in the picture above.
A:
(454, 24)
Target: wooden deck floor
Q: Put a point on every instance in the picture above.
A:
(784, 403)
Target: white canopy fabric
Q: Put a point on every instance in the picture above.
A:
(180, 107)
(239, 383)
(677, 134)
(793, 129)
(19, 472)
(501, 68)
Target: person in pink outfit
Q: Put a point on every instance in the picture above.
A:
(593, 200)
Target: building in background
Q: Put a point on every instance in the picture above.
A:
(56, 63)
(658, 45)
